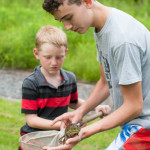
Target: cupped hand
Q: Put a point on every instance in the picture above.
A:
(63, 147)
(68, 118)
(68, 146)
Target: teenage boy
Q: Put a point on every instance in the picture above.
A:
(123, 50)
(49, 90)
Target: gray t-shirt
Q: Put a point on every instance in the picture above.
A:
(123, 48)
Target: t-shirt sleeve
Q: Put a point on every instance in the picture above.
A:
(127, 59)
(29, 97)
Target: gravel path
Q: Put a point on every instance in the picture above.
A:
(11, 82)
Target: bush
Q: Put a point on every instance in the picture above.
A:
(20, 20)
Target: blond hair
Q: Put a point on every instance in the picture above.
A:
(51, 35)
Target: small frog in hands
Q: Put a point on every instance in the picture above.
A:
(70, 131)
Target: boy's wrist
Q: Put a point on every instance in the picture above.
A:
(80, 111)
(56, 126)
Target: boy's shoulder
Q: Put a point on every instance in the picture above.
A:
(31, 79)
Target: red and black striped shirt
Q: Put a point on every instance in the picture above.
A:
(45, 100)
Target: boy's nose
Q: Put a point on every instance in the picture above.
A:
(68, 26)
(54, 62)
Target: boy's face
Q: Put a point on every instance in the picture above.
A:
(51, 57)
(77, 18)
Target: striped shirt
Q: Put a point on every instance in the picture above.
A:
(45, 100)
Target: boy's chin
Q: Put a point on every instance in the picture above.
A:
(52, 72)
(81, 31)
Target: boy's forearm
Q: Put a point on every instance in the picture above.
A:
(122, 115)
(97, 96)
(41, 123)
(130, 109)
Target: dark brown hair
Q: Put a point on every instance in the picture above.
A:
(52, 5)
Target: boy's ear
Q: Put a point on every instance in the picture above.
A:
(66, 52)
(88, 3)
(36, 54)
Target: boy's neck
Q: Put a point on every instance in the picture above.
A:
(54, 79)
(101, 14)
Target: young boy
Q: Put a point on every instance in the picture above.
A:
(49, 90)
(123, 50)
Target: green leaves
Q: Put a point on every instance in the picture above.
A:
(20, 22)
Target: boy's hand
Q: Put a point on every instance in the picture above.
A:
(63, 147)
(105, 109)
(68, 146)
(68, 118)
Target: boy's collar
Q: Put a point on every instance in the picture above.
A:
(41, 79)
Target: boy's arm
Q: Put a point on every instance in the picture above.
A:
(105, 109)
(37, 122)
(131, 108)
(97, 96)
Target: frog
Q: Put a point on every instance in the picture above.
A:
(70, 131)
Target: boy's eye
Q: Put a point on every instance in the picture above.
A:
(69, 18)
(47, 57)
(59, 57)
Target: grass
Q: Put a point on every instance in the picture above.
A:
(21, 20)
(11, 120)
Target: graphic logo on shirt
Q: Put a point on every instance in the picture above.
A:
(107, 71)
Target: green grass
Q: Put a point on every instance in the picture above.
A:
(21, 20)
(11, 120)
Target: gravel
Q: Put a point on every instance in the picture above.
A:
(11, 82)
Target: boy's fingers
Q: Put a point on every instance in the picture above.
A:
(50, 148)
(45, 148)
(63, 147)
(60, 118)
(75, 139)
(65, 118)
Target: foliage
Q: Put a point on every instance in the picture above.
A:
(21, 20)
(11, 121)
